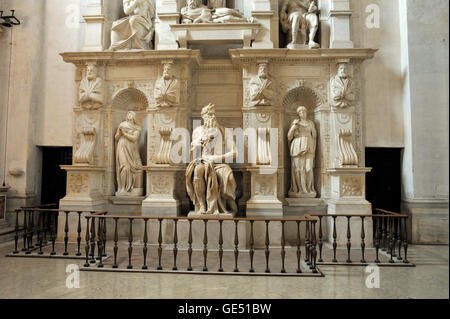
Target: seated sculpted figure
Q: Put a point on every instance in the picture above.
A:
(211, 184)
(195, 12)
(136, 30)
(296, 18)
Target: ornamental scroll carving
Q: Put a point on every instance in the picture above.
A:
(163, 156)
(347, 153)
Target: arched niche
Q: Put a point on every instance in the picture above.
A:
(309, 98)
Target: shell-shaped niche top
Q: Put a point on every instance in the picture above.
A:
(301, 95)
(130, 99)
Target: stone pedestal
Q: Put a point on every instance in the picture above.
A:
(348, 193)
(168, 14)
(84, 185)
(339, 21)
(161, 198)
(264, 200)
(3, 196)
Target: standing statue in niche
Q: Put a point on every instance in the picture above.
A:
(195, 12)
(167, 88)
(261, 90)
(302, 139)
(299, 17)
(128, 160)
(342, 93)
(136, 30)
(211, 184)
(91, 93)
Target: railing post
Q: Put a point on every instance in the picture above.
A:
(307, 244)
(87, 242)
(145, 249)
(363, 237)
(236, 246)
(334, 239)
(25, 230)
(79, 235)
(92, 240)
(41, 232)
(377, 238)
(175, 243)
(313, 246)
(283, 250)
(405, 241)
(190, 241)
(66, 233)
(205, 245)
(100, 242)
(299, 252)
(116, 239)
(391, 239)
(104, 237)
(252, 246)
(54, 220)
(267, 250)
(16, 235)
(349, 240)
(160, 245)
(220, 245)
(130, 244)
(320, 239)
(400, 238)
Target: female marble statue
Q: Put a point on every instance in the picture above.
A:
(302, 139)
(128, 160)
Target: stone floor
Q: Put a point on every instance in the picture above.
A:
(46, 278)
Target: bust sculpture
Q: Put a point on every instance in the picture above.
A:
(91, 92)
(167, 88)
(302, 138)
(342, 94)
(128, 160)
(210, 183)
(297, 18)
(195, 12)
(135, 31)
(261, 90)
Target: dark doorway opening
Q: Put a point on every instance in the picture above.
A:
(383, 185)
(53, 186)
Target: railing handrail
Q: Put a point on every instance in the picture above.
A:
(93, 212)
(306, 218)
(42, 206)
(388, 212)
(357, 215)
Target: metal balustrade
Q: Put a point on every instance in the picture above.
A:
(125, 256)
(390, 239)
(37, 229)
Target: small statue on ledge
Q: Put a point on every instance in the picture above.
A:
(195, 12)
(136, 30)
(296, 18)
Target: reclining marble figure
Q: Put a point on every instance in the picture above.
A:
(210, 183)
(194, 12)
